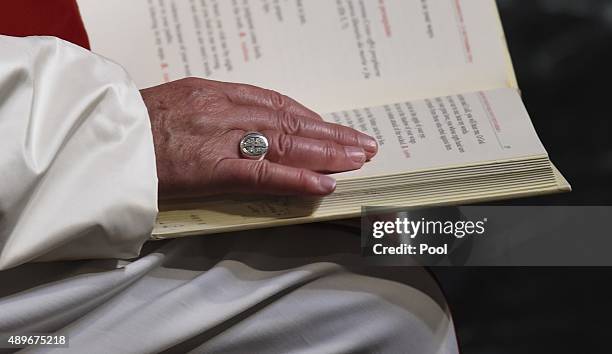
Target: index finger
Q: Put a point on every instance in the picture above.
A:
(252, 95)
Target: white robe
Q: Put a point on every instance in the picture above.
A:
(74, 139)
(77, 181)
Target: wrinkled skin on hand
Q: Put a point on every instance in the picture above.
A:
(198, 124)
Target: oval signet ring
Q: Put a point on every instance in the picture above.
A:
(254, 146)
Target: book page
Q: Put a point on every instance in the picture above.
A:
(443, 132)
(329, 55)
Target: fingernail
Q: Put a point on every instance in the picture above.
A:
(328, 184)
(369, 144)
(355, 153)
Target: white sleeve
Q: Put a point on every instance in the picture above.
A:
(77, 164)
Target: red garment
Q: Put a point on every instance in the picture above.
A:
(60, 18)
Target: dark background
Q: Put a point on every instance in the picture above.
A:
(562, 52)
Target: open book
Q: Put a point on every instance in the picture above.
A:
(432, 81)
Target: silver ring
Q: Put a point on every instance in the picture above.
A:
(254, 146)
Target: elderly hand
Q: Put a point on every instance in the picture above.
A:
(198, 124)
